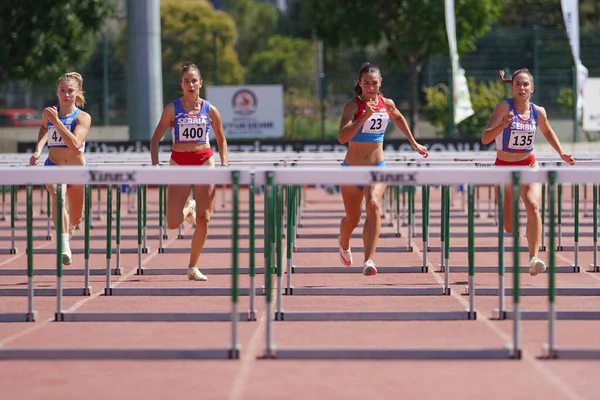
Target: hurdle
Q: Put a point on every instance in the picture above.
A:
(181, 175)
(368, 175)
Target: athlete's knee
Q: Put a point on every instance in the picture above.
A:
(532, 206)
(352, 220)
(173, 222)
(203, 218)
(372, 206)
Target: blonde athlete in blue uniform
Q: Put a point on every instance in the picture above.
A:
(513, 126)
(65, 128)
(363, 124)
(192, 120)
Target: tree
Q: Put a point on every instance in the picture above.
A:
(193, 31)
(43, 39)
(547, 13)
(255, 23)
(409, 31)
(285, 60)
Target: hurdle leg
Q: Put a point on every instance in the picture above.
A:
(595, 267)
(425, 225)
(49, 220)
(552, 265)
(269, 345)
(390, 204)
(575, 209)
(447, 243)
(13, 217)
(290, 236)
(161, 238)
(107, 290)
(31, 314)
(501, 268)
(411, 212)
(516, 185)
(118, 269)
(442, 228)
(3, 216)
(279, 247)
(99, 203)
(59, 270)
(543, 241)
(252, 255)
(471, 253)
(477, 202)
(144, 190)
(86, 250)
(559, 221)
(140, 270)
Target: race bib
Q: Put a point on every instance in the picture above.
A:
(54, 138)
(520, 140)
(193, 132)
(376, 123)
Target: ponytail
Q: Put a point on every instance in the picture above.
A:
(517, 72)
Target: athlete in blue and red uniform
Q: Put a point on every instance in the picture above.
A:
(513, 125)
(363, 124)
(192, 119)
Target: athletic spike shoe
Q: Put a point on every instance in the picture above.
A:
(345, 255)
(194, 274)
(536, 266)
(67, 257)
(369, 268)
(190, 216)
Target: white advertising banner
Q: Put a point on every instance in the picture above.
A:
(591, 105)
(461, 96)
(570, 10)
(250, 111)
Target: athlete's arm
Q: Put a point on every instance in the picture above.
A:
(41, 142)
(348, 128)
(401, 123)
(499, 120)
(550, 135)
(168, 115)
(217, 125)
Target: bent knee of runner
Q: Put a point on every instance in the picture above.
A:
(174, 221)
(203, 218)
(352, 220)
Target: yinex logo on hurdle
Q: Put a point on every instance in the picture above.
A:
(381, 177)
(116, 177)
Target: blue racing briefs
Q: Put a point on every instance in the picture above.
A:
(379, 164)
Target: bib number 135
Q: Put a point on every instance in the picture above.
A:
(521, 140)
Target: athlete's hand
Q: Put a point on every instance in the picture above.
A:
(50, 114)
(422, 150)
(567, 158)
(34, 159)
(507, 119)
(370, 108)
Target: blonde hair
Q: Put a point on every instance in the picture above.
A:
(76, 76)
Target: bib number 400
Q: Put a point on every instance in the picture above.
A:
(192, 133)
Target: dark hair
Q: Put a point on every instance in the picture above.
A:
(365, 69)
(189, 66)
(512, 78)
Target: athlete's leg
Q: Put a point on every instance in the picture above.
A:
(65, 214)
(205, 201)
(352, 197)
(372, 228)
(76, 199)
(531, 195)
(177, 196)
(508, 197)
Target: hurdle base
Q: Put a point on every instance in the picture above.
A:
(118, 354)
(366, 291)
(563, 315)
(356, 269)
(593, 268)
(45, 291)
(570, 353)
(340, 353)
(145, 250)
(375, 316)
(149, 316)
(18, 317)
(536, 291)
